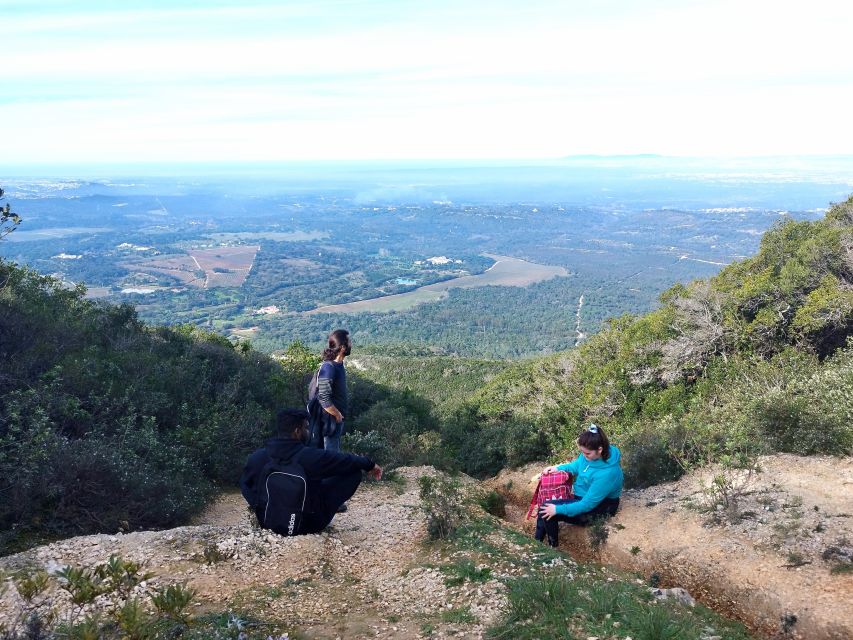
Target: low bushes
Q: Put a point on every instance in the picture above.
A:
(106, 423)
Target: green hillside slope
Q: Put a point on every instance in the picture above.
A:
(755, 358)
(106, 423)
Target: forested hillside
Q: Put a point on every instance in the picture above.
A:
(756, 358)
(107, 424)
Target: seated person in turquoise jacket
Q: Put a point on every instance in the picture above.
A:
(597, 486)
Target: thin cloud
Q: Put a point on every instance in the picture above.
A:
(409, 79)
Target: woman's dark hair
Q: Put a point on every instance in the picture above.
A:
(338, 341)
(594, 437)
(288, 420)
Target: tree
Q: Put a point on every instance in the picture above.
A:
(8, 218)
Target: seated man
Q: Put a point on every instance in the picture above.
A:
(331, 477)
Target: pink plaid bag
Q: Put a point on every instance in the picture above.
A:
(552, 486)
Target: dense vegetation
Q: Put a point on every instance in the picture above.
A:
(490, 322)
(107, 423)
(755, 359)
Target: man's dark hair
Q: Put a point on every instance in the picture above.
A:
(338, 341)
(288, 420)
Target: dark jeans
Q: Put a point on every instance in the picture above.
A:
(334, 492)
(551, 527)
(333, 442)
(321, 425)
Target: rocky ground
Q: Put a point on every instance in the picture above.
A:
(777, 555)
(368, 575)
(768, 560)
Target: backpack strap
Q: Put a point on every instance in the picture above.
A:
(534, 502)
(314, 384)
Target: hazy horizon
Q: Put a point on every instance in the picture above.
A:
(804, 163)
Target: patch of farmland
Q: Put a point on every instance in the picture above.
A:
(181, 267)
(506, 271)
(27, 235)
(277, 236)
(225, 266)
(245, 333)
(93, 293)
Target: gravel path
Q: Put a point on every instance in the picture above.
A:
(368, 575)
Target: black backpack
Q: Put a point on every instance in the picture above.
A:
(316, 413)
(283, 495)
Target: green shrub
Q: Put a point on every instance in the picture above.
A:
(83, 585)
(132, 621)
(121, 575)
(31, 585)
(648, 457)
(173, 601)
(139, 425)
(812, 410)
(443, 502)
(91, 627)
(481, 446)
(371, 444)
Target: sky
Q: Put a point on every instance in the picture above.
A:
(263, 81)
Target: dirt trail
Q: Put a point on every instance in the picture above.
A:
(367, 575)
(773, 560)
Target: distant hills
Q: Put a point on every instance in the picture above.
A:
(110, 423)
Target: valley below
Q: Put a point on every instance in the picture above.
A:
(506, 271)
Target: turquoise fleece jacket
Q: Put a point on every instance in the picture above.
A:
(594, 481)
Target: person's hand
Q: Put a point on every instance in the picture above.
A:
(551, 469)
(375, 472)
(548, 511)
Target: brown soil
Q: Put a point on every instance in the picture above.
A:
(367, 575)
(763, 560)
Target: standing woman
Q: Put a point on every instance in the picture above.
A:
(597, 486)
(332, 388)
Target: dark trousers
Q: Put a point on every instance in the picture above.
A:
(334, 491)
(321, 425)
(551, 527)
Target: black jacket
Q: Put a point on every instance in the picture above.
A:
(317, 463)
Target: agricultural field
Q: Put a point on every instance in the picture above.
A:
(54, 233)
(181, 268)
(202, 268)
(276, 236)
(225, 266)
(507, 271)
